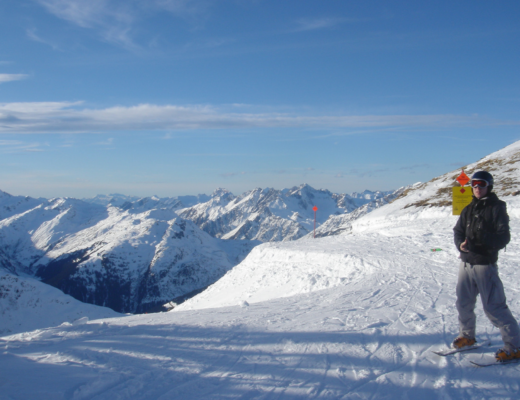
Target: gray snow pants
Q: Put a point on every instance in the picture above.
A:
(484, 280)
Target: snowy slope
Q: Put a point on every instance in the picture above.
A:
(272, 215)
(436, 194)
(420, 216)
(129, 259)
(433, 199)
(366, 312)
(27, 304)
(369, 338)
(11, 205)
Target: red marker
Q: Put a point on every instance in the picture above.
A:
(463, 179)
(314, 209)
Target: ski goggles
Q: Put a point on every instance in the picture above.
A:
(481, 183)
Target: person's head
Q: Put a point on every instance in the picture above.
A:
(482, 184)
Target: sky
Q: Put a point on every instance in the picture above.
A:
(180, 97)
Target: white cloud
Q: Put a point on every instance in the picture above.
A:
(12, 77)
(31, 34)
(108, 142)
(87, 13)
(10, 142)
(179, 7)
(114, 20)
(16, 146)
(309, 24)
(68, 117)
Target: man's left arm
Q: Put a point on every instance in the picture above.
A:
(501, 236)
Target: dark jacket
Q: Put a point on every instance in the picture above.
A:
(486, 225)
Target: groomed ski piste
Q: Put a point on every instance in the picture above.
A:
(342, 317)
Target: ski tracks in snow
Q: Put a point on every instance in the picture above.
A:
(368, 339)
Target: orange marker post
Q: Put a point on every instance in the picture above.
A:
(314, 209)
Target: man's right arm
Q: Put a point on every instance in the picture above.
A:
(460, 230)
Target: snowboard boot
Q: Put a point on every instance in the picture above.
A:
(503, 355)
(463, 341)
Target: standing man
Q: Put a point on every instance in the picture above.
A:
(481, 231)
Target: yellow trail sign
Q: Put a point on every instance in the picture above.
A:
(461, 198)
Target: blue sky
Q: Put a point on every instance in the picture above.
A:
(176, 97)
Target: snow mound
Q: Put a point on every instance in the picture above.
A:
(27, 304)
(274, 270)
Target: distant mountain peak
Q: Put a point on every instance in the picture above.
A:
(268, 214)
(4, 194)
(219, 192)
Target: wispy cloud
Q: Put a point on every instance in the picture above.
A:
(182, 8)
(115, 20)
(31, 34)
(68, 117)
(10, 142)
(231, 174)
(415, 167)
(312, 24)
(12, 77)
(108, 142)
(17, 146)
(459, 164)
(368, 173)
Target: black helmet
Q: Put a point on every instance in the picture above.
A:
(483, 176)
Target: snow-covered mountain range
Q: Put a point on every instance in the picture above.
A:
(11, 205)
(134, 255)
(121, 200)
(350, 316)
(271, 215)
(130, 259)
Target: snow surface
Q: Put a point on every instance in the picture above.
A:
(27, 304)
(355, 316)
